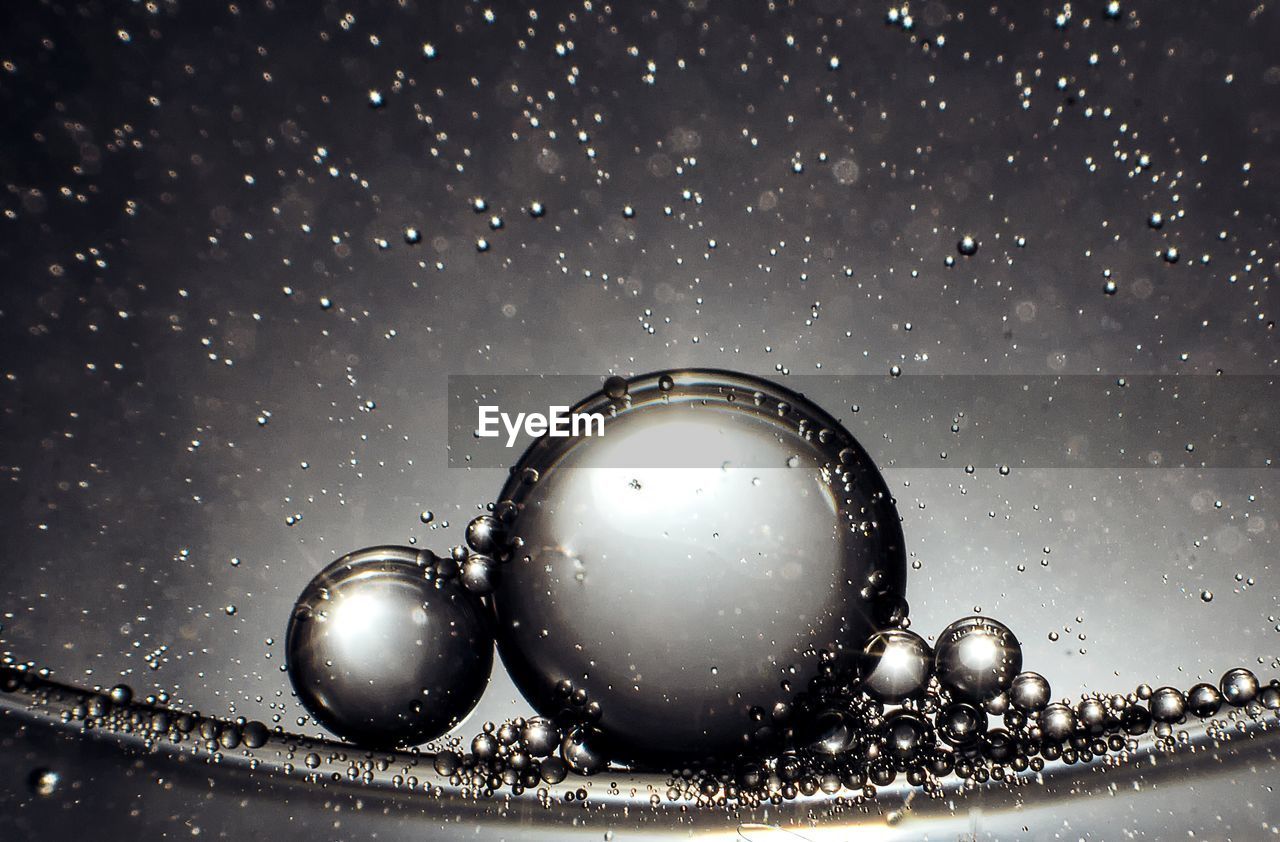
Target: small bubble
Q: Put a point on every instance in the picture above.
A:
(967, 246)
(44, 782)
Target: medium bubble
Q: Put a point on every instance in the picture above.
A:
(1239, 687)
(580, 750)
(1204, 700)
(895, 665)
(384, 650)
(977, 658)
(1168, 705)
(1057, 722)
(960, 723)
(1029, 692)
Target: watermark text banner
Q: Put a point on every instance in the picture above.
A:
(956, 421)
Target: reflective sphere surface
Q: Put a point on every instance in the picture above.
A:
(977, 658)
(692, 562)
(383, 652)
(895, 665)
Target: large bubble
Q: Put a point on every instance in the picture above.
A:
(677, 581)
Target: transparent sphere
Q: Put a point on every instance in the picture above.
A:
(692, 562)
(1204, 700)
(1029, 692)
(1239, 687)
(384, 652)
(1168, 705)
(895, 665)
(905, 735)
(1057, 722)
(977, 658)
(960, 723)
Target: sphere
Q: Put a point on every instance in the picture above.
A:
(1029, 692)
(540, 736)
(1204, 700)
(485, 535)
(479, 573)
(998, 745)
(894, 665)
(833, 733)
(1239, 687)
(905, 735)
(1270, 697)
(1168, 705)
(1057, 722)
(1091, 716)
(1135, 720)
(580, 750)
(693, 562)
(977, 658)
(553, 770)
(484, 746)
(383, 652)
(960, 723)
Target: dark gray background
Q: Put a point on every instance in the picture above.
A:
(185, 184)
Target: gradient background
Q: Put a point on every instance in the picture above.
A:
(184, 184)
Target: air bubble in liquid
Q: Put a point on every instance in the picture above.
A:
(386, 648)
(690, 565)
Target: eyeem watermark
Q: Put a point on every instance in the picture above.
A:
(961, 422)
(559, 422)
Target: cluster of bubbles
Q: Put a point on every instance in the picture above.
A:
(116, 710)
(392, 647)
(963, 708)
(831, 693)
